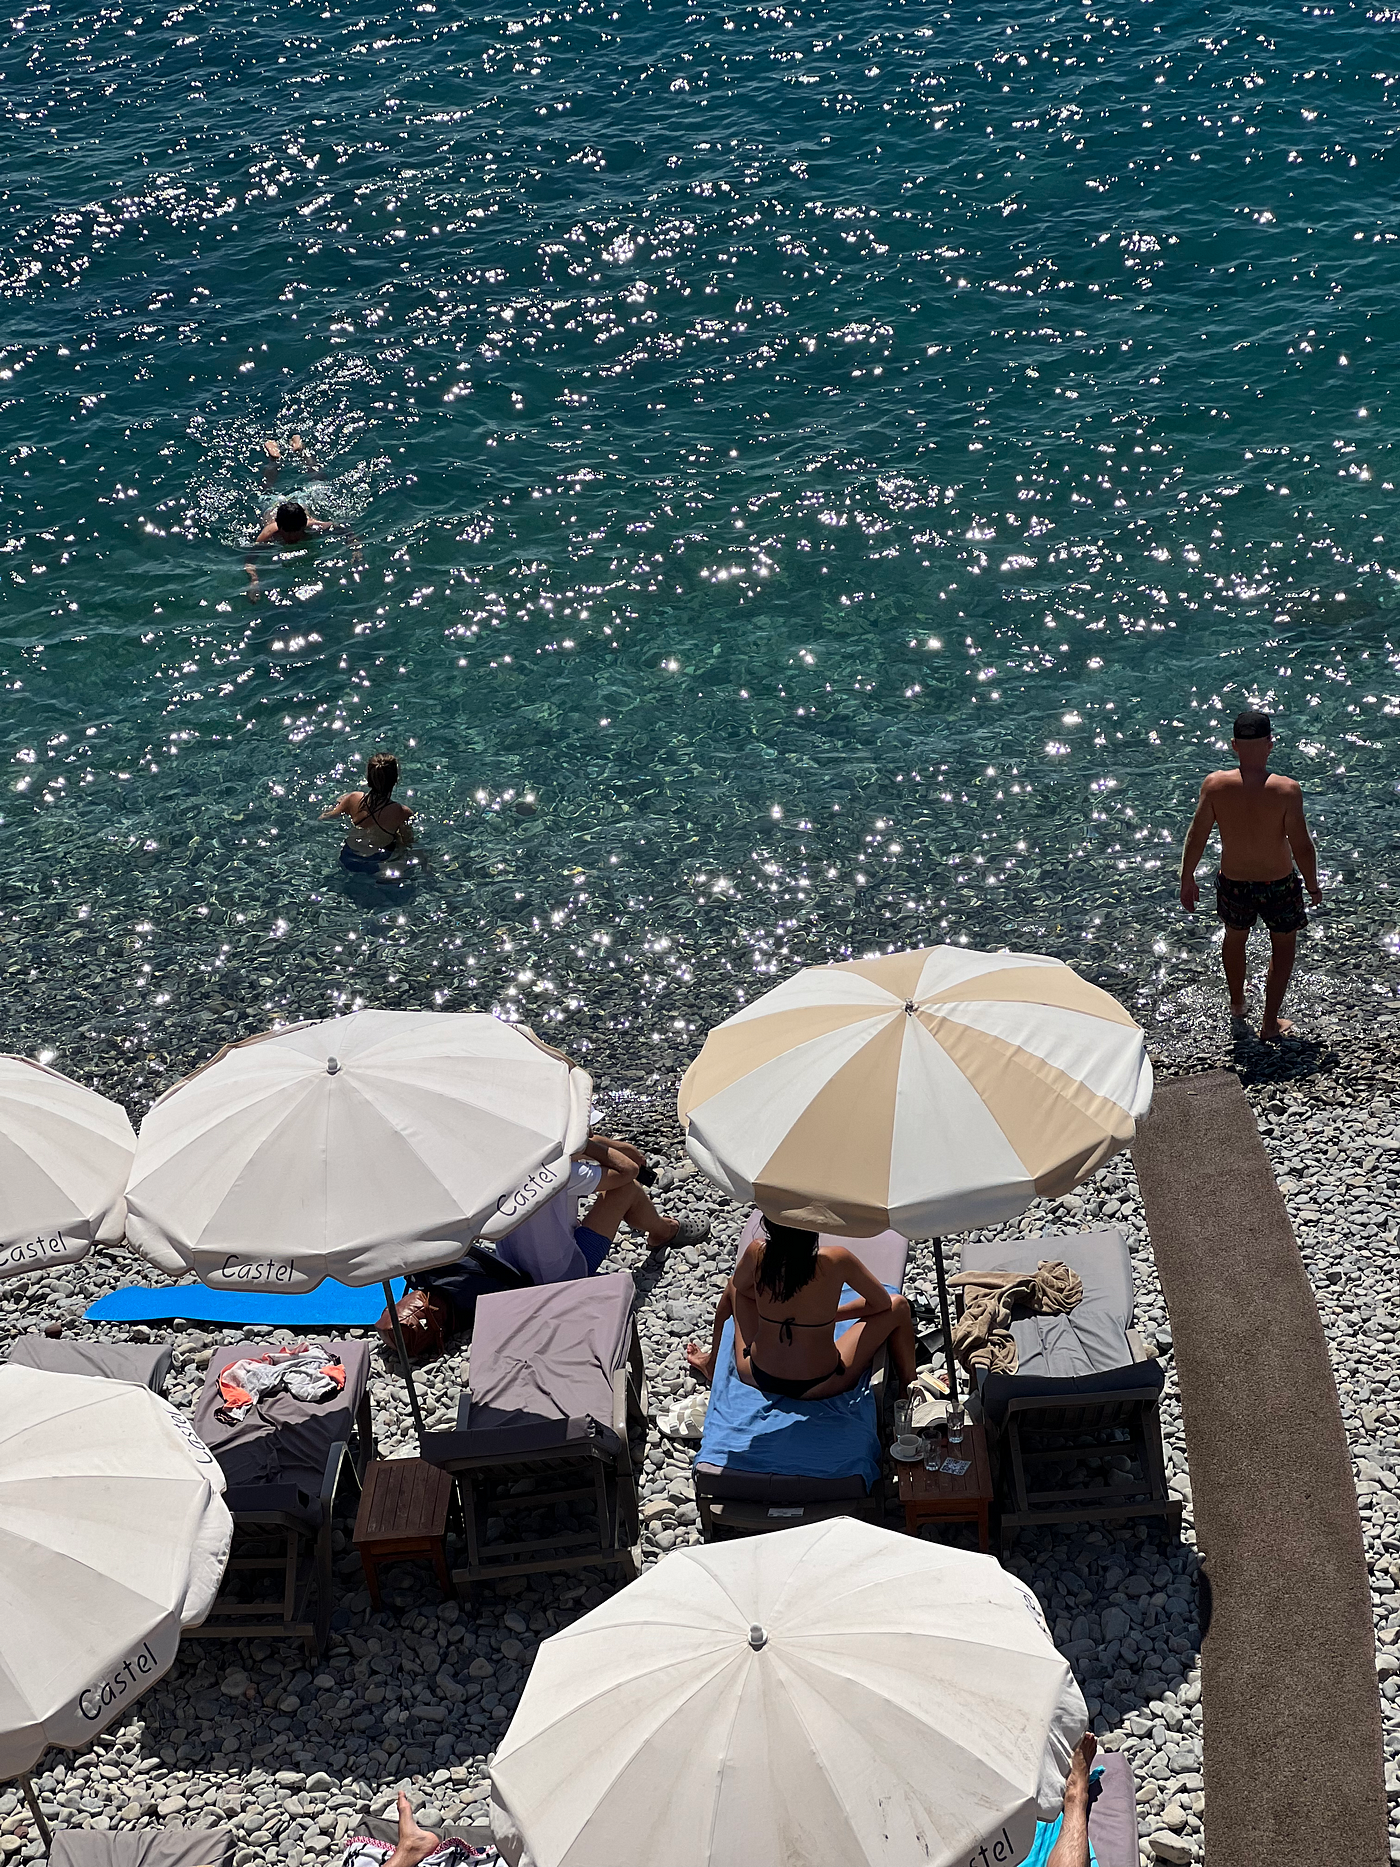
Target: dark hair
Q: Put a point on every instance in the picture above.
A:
(788, 1261)
(1252, 725)
(383, 774)
(291, 517)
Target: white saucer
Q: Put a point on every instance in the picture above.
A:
(907, 1458)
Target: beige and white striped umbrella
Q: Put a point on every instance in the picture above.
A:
(927, 1092)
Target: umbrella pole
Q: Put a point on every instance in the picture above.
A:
(946, 1319)
(414, 1408)
(27, 1784)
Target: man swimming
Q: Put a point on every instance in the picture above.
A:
(1262, 832)
(289, 525)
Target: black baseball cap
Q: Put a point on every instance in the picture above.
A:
(1252, 725)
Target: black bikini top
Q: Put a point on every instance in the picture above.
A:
(786, 1325)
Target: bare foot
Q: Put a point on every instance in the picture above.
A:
(415, 1843)
(1077, 1785)
(658, 1241)
(271, 449)
(1270, 1033)
(700, 1362)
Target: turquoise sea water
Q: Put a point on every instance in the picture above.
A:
(824, 475)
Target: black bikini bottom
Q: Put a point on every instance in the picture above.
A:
(359, 864)
(790, 1390)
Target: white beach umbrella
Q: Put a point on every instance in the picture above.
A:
(113, 1537)
(834, 1693)
(65, 1152)
(360, 1148)
(928, 1091)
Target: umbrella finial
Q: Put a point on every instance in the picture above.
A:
(332, 1066)
(757, 1637)
(910, 1007)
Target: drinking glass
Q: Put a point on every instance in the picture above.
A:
(934, 1449)
(903, 1419)
(955, 1427)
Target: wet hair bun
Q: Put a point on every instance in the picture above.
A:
(383, 774)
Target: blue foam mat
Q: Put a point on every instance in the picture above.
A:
(329, 1306)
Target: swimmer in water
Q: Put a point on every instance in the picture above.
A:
(276, 460)
(378, 826)
(289, 526)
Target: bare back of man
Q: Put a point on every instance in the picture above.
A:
(1263, 832)
(1251, 811)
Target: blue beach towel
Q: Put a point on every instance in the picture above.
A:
(329, 1306)
(1046, 1835)
(752, 1432)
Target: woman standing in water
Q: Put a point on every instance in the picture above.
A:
(378, 826)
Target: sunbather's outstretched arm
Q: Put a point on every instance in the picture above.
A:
(702, 1365)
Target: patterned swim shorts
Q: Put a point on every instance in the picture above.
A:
(1279, 904)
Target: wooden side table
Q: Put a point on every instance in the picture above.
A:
(403, 1514)
(935, 1497)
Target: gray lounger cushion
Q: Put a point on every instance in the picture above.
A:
(281, 1440)
(159, 1847)
(1092, 1337)
(1113, 1827)
(541, 1369)
(886, 1254)
(997, 1390)
(146, 1365)
(724, 1481)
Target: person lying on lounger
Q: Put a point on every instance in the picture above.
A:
(785, 1298)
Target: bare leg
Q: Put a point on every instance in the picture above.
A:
(1071, 1848)
(1280, 972)
(274, 464)
(299, 453)
(415, 1843)
(622, 1202)
(1232, 957)
(858, 1346)
(702, 1366)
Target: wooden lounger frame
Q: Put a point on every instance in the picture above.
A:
(280, 1543)
(588, 1471)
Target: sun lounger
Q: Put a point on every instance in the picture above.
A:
(557, 1387)
(158, 1847)
(147, 1365)
(283, 1462)
(1085, 1387)
(1113, 1827)
(766, 1462)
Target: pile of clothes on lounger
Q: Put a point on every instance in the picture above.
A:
(304, 1372)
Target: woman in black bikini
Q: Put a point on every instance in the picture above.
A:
(785, 1298)
(378, 826)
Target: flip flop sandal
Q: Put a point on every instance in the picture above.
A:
(929, 1384)
(686, 1421)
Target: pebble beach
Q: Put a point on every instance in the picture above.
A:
(294, 1755)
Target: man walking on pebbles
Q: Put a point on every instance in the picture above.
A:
(1262, 833)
